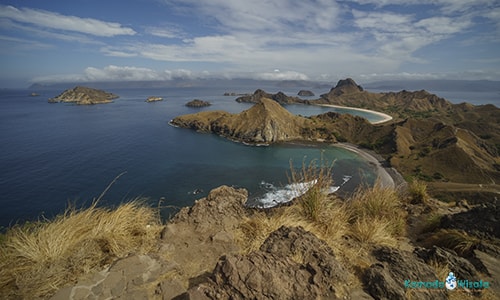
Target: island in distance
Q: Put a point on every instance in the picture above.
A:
(84, 96)
(154, 99)
(198, 103)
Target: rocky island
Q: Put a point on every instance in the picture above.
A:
(198, 103)
(305, 93)
(154, 99)
(84, 96)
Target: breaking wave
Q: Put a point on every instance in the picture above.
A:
(275, 196)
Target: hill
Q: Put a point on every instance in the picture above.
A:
(430, 138)
(84, 95)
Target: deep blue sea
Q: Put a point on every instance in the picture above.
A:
(55, 154)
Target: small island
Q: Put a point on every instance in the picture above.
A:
(84, 96)
(305, 93)
(198, 103)
(154, 99)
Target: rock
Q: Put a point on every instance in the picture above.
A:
(291, 264)
(127, 278)
(198, 103)
(84, 96)
(305, 93)
(386, 279)
(482, 221)
(462, 268)
(154, 99)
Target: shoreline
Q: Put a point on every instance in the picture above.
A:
(387, 176)
(386, 117)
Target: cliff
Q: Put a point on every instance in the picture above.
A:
(84, 96)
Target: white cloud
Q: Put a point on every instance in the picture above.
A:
(57, 21)
(169, 31)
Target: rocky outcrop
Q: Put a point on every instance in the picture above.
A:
(386, 279)
(305, 93)
(279, 97)
(154, 99)
(84, 96)
(272, 273)
(198, 103)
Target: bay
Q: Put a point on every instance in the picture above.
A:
(55, 154)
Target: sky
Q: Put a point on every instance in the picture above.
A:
(319, 40)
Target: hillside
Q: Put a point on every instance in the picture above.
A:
(430, 139)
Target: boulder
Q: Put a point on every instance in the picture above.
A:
(386, 279)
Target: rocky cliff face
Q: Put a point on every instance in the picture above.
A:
(84, 96)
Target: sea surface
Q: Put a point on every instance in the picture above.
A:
(53, 155)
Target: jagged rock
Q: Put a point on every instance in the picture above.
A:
(198, 103)
(223, 205)
(84, 95)
(482, 221)
(272, 273)
(386, 279)
(305, 93)
(460, 266)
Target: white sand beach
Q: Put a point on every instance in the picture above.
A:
(385, 117)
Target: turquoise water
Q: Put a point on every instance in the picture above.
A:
(52, 154)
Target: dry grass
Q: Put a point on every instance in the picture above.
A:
(37, 259)
(377, 215)
(417, 191)
(453, 239)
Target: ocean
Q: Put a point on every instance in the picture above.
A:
(53, 155)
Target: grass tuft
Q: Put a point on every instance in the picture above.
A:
(39, 258)
(417, 191)
(453, 239)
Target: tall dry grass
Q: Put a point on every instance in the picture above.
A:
(377, 215)
(39, 258)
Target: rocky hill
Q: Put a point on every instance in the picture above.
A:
(266, 122)
(84, 96)
(439, 142)
(279, 97)
(198, 103)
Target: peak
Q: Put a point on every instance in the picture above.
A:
(346, 82)
(346, 86)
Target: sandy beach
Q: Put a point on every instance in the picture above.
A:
(385, 117)
(387, 176)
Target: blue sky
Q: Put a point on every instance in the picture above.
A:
(369, 40)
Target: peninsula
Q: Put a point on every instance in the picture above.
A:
(453, 147)
(84, 96)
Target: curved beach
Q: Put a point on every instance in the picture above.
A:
(387, 176)
(385, 117)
